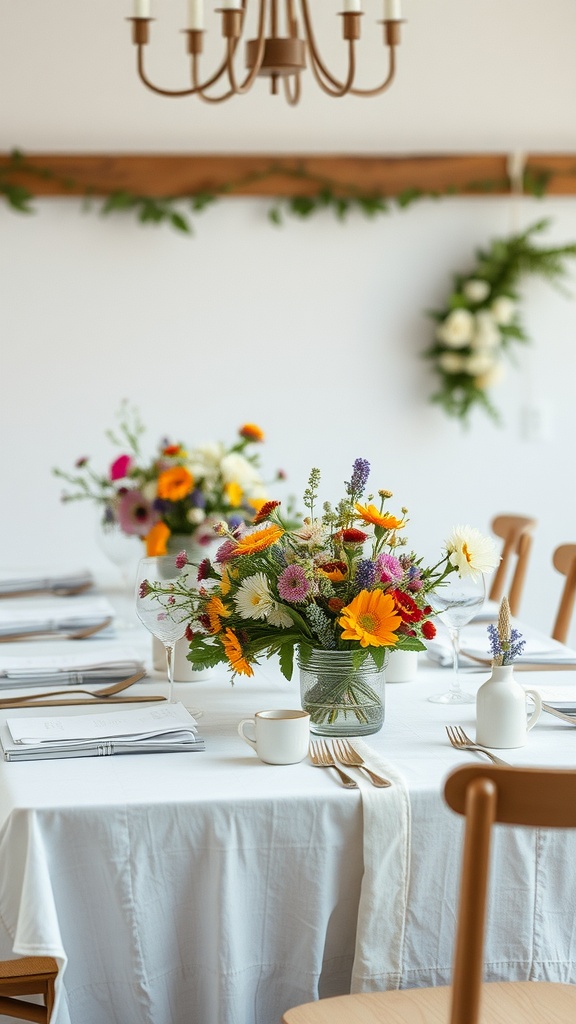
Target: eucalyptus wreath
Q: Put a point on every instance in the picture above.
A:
(480, 322)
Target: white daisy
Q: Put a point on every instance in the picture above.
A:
(470, 552)
(253, 598)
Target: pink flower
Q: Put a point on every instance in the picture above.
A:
(120, 467)
(135, 514)
(181, 559)
(389, 568)
(292, 584)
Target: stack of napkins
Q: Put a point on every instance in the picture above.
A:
(89, 662)
(159, 730)
(52, 615)
(24, 583)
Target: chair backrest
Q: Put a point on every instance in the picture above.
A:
(516, 532)
(486, 794)
(564, 560)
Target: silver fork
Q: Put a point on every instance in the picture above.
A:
(348, 756)
(322, 758)
(461, 741)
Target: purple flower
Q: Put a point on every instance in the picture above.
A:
(389, 568)
(181, 559)
(292, 584)
(365, 575)
(360, 473)
(196, 498)
(144, 589)
(135, 514)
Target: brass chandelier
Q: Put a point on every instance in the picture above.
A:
(277, 52)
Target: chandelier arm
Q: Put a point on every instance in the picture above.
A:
(250, 77)
(346, 87)
(201, 86)
(387, 82)
(292, 97)
(314, 53)
(155, 88)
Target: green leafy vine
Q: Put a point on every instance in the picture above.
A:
(178, 212)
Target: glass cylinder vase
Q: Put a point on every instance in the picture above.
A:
(343, 696)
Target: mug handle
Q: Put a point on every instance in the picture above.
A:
(251, 722)
(537, 710)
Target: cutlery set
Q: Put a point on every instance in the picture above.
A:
(324, 756)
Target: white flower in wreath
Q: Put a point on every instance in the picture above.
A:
(503, 309)
(486, 333)
(476, 290)
(457, 329)
(451, 362)
(492, 377)
(478, 364)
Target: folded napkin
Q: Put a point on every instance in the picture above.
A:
(378, 958)
(143, 730)
(32, 582)
(53, 615)
(92, 661)
(539, 649)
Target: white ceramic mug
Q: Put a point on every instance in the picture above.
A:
(402, 666)
(278, 737)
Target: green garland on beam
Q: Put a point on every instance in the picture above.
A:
(178, 211)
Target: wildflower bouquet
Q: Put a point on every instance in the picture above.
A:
(271, 589)
(177, 491)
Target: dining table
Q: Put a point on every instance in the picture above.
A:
(207, 887)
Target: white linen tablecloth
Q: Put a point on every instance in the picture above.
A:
(213, 889)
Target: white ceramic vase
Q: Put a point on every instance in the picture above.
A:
(501, 717)
(402, 666)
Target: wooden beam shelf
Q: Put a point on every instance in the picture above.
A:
(279, 175)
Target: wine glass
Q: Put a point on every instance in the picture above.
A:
(456, 602)
(159, 608)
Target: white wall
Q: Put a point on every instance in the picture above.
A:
(314, 330)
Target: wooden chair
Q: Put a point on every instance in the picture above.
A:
(484, 794)
(31, 975)
(564, 560)
(516, 532)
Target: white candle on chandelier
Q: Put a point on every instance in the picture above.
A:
(351, 5)
(141, 8)
(392, 10)
(196, 14)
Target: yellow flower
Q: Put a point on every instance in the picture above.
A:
(258, 540)
(216, 610)
(370, 514)
(234, 493)
(371, 618)
(225, 582)
(175, 483)
(156, 540)
(233, 651)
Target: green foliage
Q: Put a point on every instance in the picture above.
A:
(481, 319)
(322, 195)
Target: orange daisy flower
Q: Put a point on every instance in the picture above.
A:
(175, 483)
(257, 540)
(233, 651)
(251, 431)
(156, 540)
(371, 618)
(370, 514)
(335, 571)
(216, 610)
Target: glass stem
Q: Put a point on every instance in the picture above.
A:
(455, 684)
(170, 671)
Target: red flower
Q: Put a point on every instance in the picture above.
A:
(428, 630)
(189, 633)
(171, 449)
(120, 467)
(265, 510)
(335, 604)
(203, 570)
(351, 536)
(406, 606)
(204, 621)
